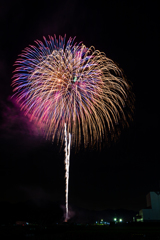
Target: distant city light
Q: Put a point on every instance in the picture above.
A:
(115, 219)
(101, 222)
(120, 220)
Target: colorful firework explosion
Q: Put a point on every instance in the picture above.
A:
(57, 83)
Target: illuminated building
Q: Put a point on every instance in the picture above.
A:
(152, 212)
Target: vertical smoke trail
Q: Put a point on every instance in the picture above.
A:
(67, 157)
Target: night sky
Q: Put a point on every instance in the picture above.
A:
(121, 173)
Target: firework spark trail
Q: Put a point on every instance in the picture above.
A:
(70, 85)
(67, 158)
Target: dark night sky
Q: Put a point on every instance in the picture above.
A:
(118, 176)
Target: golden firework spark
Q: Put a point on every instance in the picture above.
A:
(57, 84)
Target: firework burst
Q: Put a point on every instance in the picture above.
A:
(72, 90)
(57, 83)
